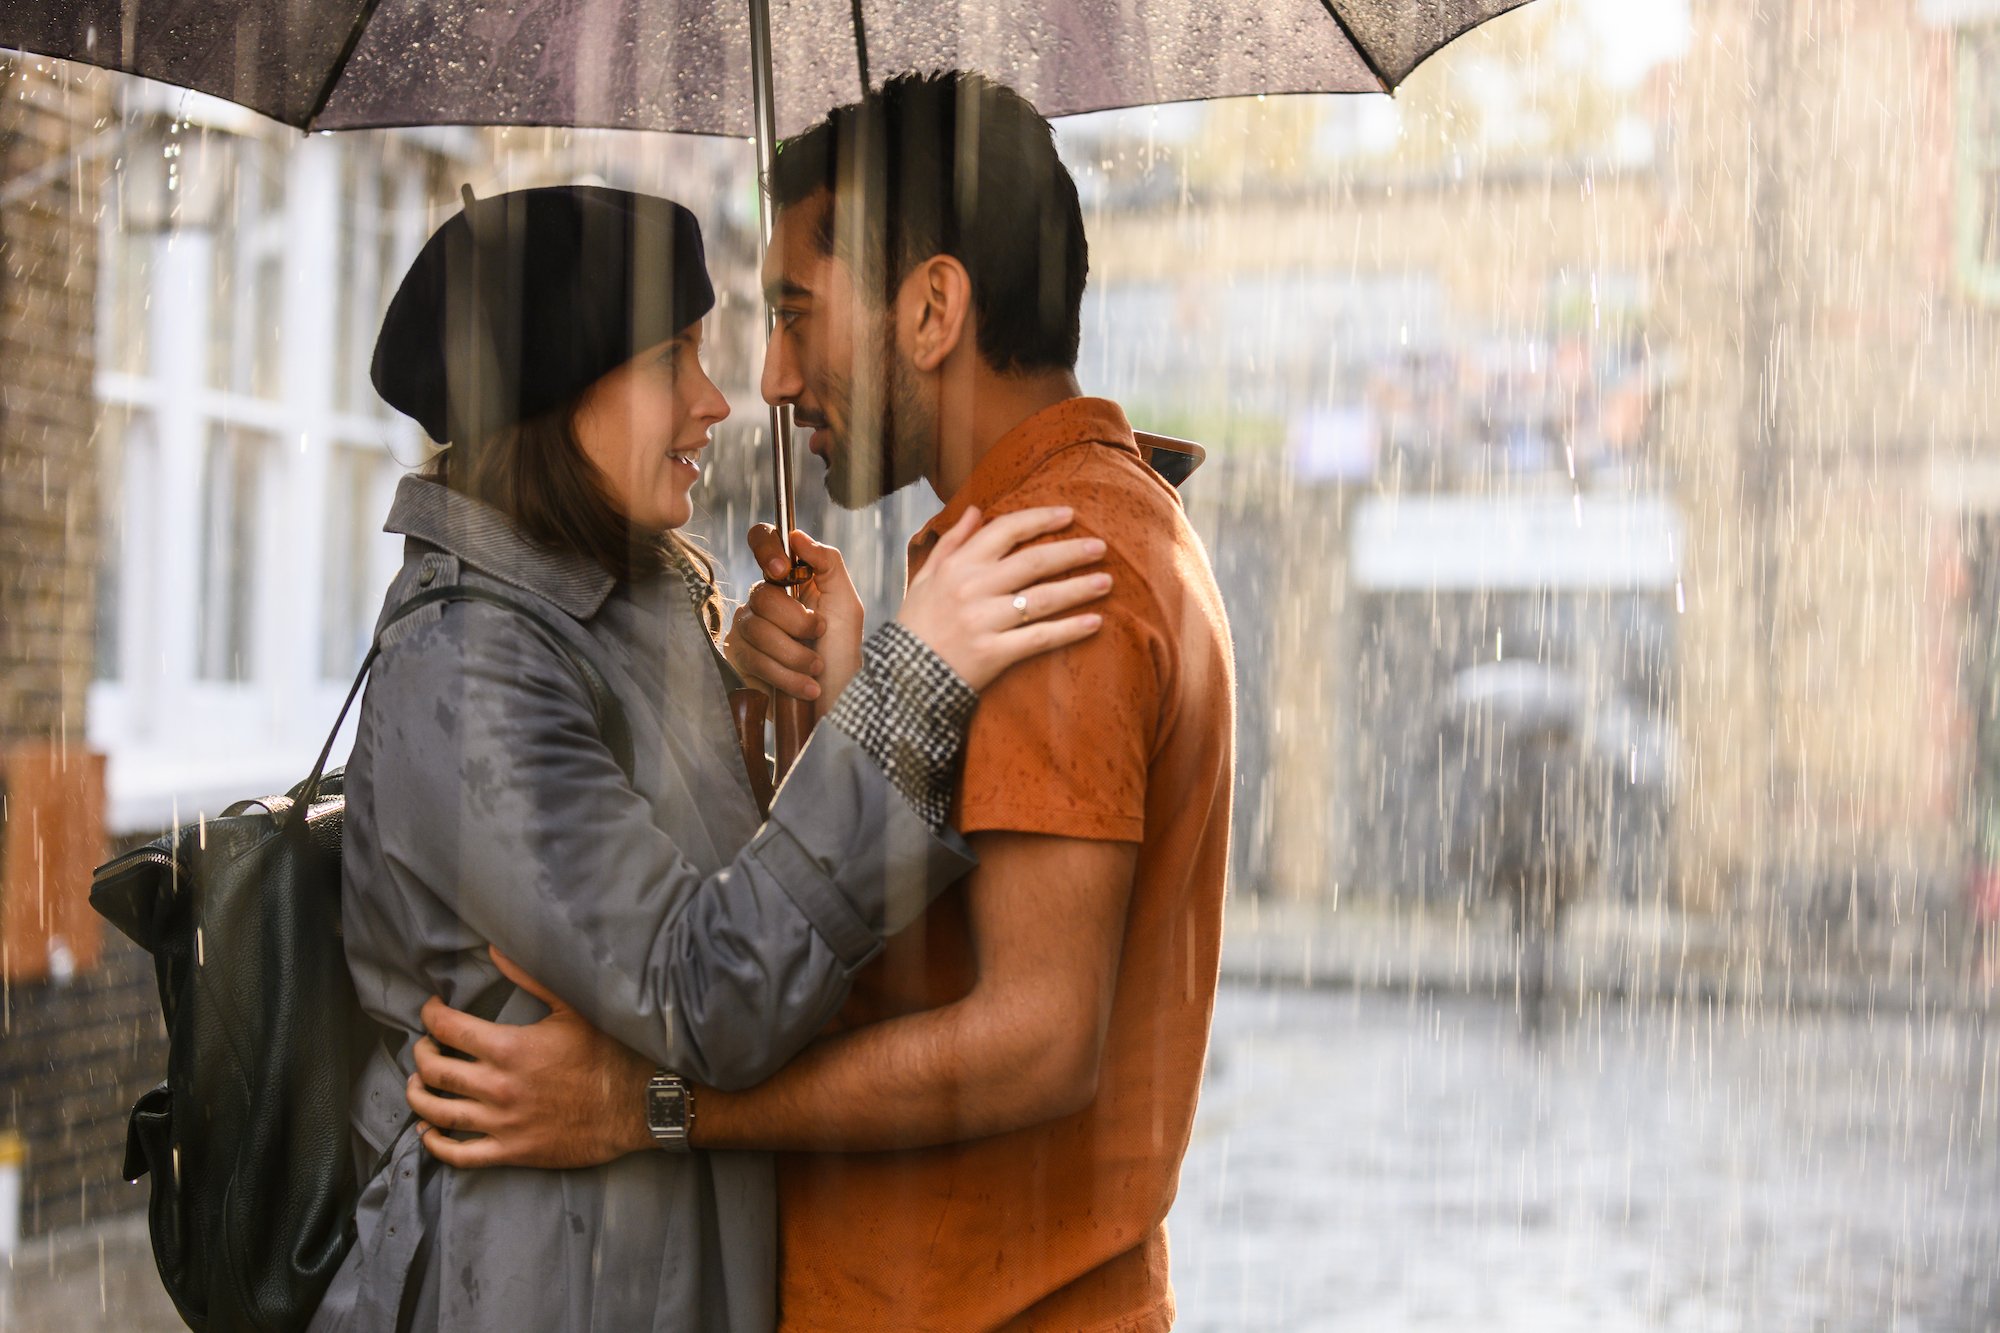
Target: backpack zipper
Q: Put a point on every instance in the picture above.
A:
(135, 856)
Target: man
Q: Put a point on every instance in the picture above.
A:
(992, 1135)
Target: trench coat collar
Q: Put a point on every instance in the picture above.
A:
(484, 538)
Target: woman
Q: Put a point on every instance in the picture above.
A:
(552, 338)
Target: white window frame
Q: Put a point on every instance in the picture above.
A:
(179, 746)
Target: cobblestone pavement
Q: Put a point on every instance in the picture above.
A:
(1367, 1160)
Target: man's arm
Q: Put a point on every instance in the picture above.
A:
(1047, 917)
(1048, 924)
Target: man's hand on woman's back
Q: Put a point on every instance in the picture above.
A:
(555, 1093)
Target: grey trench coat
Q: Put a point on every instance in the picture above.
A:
(483, 808)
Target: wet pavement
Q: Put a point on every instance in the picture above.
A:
(1915, 956)
(1371, 1160)
(86, 1278)
(1368, 1160)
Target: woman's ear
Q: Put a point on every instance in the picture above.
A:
(938, 301)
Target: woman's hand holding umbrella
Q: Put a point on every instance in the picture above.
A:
(982, 602)
(809, 645)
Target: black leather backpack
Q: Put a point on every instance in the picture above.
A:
(247, 1139)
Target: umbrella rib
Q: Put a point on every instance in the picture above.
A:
(339, 65)
(861, 45)
(1367, 56)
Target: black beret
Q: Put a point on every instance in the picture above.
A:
(523, 300)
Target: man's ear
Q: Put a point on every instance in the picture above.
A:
(937, 310)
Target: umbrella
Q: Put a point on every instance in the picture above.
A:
(686, 65)
(698, 66)
(1527, 696)
(1531, 699)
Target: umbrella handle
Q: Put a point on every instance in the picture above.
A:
(747, 707)
(795, 718)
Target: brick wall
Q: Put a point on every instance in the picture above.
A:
(72, 1056)
(73, 1060)
(48, 492)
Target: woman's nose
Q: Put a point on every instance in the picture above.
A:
(709, 402)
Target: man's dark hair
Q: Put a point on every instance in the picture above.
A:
(954, 164)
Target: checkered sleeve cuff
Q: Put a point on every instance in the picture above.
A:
(909, 712)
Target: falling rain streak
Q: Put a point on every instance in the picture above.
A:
(1604, 484)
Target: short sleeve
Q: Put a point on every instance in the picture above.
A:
(1061, 743)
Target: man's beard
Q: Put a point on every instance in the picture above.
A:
(891, 431)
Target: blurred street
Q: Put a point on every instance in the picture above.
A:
(1374, 1160)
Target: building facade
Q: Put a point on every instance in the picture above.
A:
(80, 1034)
(247, 461)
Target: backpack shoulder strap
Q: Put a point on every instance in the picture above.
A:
(604, 706)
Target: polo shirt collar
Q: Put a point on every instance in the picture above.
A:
(1016, 456)
(484, 538)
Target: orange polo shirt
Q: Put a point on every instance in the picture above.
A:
(1127, 738)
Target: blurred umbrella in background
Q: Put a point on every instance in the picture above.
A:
(1534, 698)
(1539, 759)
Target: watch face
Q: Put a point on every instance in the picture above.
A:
(666, 1110)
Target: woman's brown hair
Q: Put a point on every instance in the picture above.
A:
(536, 473)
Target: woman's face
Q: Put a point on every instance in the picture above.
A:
(645, 424)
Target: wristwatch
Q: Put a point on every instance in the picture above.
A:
(669, 1110)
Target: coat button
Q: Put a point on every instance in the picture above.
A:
(428, 576)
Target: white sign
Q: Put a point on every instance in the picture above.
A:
(1955, 13)
(1424, 543)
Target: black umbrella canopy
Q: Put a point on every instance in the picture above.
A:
(684, 65)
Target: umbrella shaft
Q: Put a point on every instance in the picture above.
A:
(763, 96)
(794, 717)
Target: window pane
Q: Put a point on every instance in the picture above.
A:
(206, 184)
(126, 462)
(359, 555)
(265, 304)
(124, 298)
(370, 264)
(234, 476)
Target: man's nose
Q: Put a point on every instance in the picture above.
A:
(781, 381)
